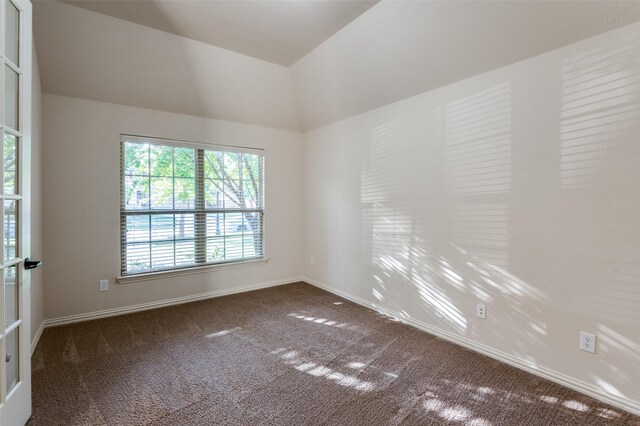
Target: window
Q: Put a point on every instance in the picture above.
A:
(186, 205)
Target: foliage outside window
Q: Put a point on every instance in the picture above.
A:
(186, 205)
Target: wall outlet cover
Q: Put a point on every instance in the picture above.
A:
(481, 311)
(588, 342)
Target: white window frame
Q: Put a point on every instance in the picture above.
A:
(199, 266)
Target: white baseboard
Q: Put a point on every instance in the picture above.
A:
(36, 338)
(162, 303)
(626, 404)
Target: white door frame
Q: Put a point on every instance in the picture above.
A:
(15, 407)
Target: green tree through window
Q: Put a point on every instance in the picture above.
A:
(186, 206)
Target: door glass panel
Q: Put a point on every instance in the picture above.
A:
(10, 157)
(11, 31)
(12, 307)
(10, 296)
(11, 359)
(10, 229)
(11, 98)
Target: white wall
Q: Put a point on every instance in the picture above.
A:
(37, 291)
(517, 188)
(88, 55)
(81, 203)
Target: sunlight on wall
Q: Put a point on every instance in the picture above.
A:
(481, 229)
(478, 164)
(601, 94)
(398, 241)
(478, 142)
(611, 341)
(611, 287)
(619, 341)
(386, 231)
(394, 247)
(600, 148)
(445, 241)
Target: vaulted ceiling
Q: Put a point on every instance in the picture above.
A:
(277, 31)
(318, 61)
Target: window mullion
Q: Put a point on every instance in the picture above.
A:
(200, 216)
(150, 206)
(243, 204)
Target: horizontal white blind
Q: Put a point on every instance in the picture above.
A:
(186, 205)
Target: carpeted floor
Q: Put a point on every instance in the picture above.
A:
(289, 355)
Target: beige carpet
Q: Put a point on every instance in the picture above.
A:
(290, 355)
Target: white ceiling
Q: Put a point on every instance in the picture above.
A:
(84, 54)
(395, 50)
(277, 31)
(398, 49)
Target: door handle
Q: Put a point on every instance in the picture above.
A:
(31, 264)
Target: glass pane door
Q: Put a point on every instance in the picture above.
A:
(12, 137)
(15, 58)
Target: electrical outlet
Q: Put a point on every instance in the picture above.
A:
(104, 285)
(481, 311)
(312, 261)
(588, 342)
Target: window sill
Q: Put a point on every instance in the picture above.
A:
(189, 271)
